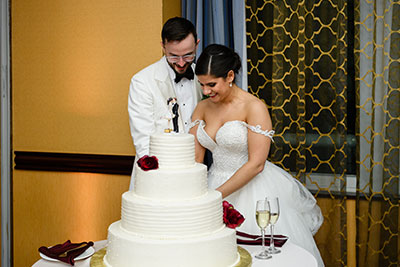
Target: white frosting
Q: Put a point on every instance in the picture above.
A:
(172, 184)
(171, 218)
(128, 250)
(173, 150)
(180, 219)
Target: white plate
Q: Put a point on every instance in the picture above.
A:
(88, 252)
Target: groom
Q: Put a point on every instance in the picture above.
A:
(170, 77)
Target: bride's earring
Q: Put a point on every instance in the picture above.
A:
(230, 84)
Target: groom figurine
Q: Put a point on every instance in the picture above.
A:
(170, 77)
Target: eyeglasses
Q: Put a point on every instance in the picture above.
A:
(186, 58)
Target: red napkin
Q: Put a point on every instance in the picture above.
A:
(66, 252)
(279, 240)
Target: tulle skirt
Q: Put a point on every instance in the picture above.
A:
(300, 217)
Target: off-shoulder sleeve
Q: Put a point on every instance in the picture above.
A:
(257, 129)
(194, 123)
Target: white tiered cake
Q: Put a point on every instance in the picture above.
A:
(171, 218)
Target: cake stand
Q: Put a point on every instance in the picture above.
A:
(97, 258)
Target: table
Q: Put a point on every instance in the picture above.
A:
(291, 255)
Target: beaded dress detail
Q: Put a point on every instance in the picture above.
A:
(300, 216)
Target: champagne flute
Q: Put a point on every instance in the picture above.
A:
(274, 210)
(262, 218)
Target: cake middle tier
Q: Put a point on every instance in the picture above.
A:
(167, 184)
(172, 219)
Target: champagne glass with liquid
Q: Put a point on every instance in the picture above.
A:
(274, 211)
(262, 219)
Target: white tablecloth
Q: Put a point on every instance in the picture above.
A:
(291, 255)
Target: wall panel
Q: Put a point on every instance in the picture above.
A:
(71, 66)
(72, 62)
(50, 208)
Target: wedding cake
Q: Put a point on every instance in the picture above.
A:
(171, 218)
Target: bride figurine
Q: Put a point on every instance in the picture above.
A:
(236, 127)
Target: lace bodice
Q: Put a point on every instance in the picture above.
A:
(229, 149)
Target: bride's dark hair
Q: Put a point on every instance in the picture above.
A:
(218, 60)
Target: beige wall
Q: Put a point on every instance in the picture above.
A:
(71, 66)
(51, 208)
(171, 8)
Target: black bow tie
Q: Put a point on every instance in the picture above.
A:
(188, 74)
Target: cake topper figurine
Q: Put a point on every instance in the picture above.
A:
(168, 130)
(173, 109)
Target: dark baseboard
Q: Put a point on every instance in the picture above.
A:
(115, 164)
(70, 162)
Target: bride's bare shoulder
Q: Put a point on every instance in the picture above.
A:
(203, 104)
(253, 102)
(257, 113)
(200, 109)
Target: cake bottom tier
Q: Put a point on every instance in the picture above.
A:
(125, 249)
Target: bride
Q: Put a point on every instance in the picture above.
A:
(236, 127)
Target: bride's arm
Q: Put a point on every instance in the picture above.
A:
(199, 149)
(258, 149)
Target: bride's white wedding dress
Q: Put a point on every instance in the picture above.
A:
(300, 216)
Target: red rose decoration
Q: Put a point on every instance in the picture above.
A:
(232, 217)
(148, 163)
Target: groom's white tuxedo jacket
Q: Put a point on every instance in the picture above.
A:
(148, 111)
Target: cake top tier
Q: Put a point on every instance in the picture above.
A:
(173, 150)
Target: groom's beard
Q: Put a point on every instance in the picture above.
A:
(179, 69)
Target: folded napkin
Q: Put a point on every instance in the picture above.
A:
(66, 252)
(279, 240)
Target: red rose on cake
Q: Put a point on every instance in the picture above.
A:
(232, 217)
(148, 163)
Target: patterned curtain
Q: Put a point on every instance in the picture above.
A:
(321, 67)
(377, 51)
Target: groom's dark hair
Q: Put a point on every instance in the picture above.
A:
(177, 29)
